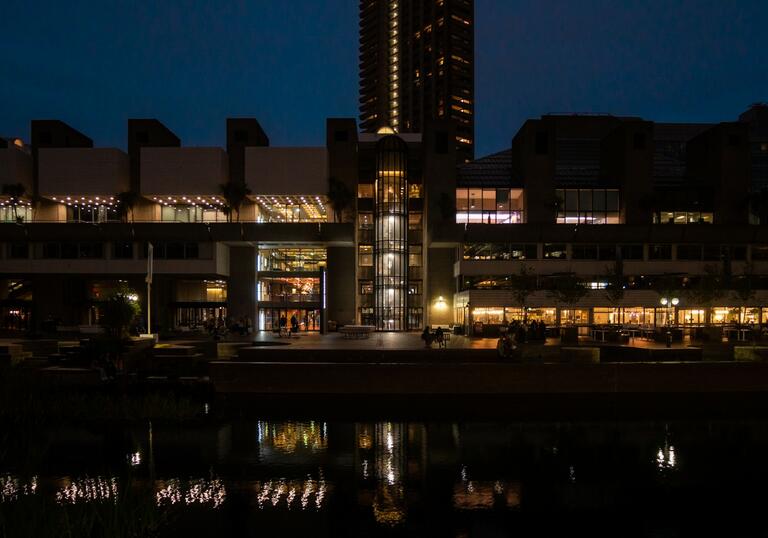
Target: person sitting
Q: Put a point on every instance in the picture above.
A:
(439, 338)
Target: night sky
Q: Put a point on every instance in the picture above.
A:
(293, 63)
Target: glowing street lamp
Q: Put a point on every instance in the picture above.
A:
(669, 305)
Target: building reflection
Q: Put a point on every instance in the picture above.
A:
(204, 492)
(484, 494)
(290, 437)
(12, 487)
(292, 494)
(86, 490)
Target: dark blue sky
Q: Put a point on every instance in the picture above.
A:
(293, 63)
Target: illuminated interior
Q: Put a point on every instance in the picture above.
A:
(288, 289)
(391, 235)
(297, 208)
(683, 217)
(587, 206)
(14, 209)
(291, 259)
(182, 208)
(489, 206)
(91, 208)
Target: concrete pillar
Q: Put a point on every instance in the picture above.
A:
(341, 286)
(440, 282)
(241, 291)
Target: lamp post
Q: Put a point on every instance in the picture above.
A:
(669, 305)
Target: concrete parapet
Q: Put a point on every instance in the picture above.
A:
(750, 353)
(580, 355)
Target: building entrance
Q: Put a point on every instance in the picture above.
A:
(307, 318)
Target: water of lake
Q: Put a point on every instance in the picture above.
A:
(399, 478)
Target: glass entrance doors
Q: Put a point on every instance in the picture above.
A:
(307, 318)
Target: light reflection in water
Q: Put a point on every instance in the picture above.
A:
(666, 458)
(134, 459)
(11, 488)
(204, 492)
(87, 490)
(288, 437)
(389, 500)
(484, 495)
(289, 494)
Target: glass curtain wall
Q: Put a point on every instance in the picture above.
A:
(391, 235)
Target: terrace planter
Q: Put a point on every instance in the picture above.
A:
(750, 353)
(580, 355)
(569, 335)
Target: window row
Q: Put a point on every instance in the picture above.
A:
(608, 252)
(666, 283)
(119, 250)
(587, 206)
(365, 287)
(683, 217)
(365, 255)
(489, 206)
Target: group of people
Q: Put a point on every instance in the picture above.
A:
(525, 331)
(430, 337)
(284, 325)
(218, 328)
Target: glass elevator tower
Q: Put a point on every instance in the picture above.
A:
(391, 235)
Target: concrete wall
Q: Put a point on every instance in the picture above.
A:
(440, 283)
(16, 167)
(286, 170)
(241, 292)
(341, 286)
(183, 171)
(82, 171)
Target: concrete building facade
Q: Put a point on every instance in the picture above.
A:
(585, 220)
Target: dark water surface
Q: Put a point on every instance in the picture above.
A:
(316, 477)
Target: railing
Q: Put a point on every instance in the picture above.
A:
(291, 298)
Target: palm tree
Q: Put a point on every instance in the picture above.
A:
(339, 196)
(614, 291)
(235, 194)
(126, 201)
(15, 192)
(523, 284)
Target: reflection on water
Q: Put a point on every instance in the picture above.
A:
(288, 437)
(11, 487)
(389, 500)
(87, 490)
(393, 477)
(484, 494)
(211, 493)
(289, 494)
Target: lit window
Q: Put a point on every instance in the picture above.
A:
(489, 206)
(587, 206)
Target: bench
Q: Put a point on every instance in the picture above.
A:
(356, 331)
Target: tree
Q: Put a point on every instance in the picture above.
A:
(15, 192)
(567, 289)
(339, 197)
(744, 285)
(706, 288)
(120, 309)
(614, 290)
(235, 193)
(523, 284)
(126, 201)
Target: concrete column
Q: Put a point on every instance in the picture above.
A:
(439, 282)
(241, 291)
(340, 285)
